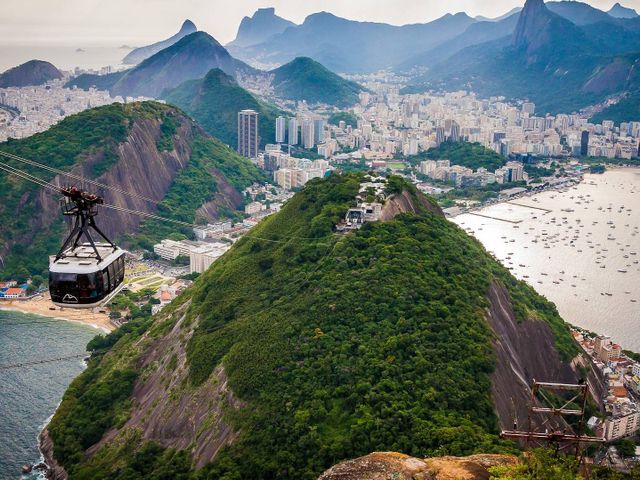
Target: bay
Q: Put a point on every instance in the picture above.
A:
(579, 247)
(30, 394)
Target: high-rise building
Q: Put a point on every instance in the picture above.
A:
(293, 131)
(529, 107)
(281, 129)
(455, 132)
(308, 137)
(248, 137)
(318, 130)
(584, 143)
(439, 135)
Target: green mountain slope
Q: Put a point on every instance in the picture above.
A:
(189, 58)
(170, 160)
(626, 110)
(215, 101)
(102, 82)
(300, 348)
(306, 79)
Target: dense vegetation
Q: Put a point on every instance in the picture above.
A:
(93, 132)
(306, 79)
(626, 110)
(195, 185)
(544, 464)
(214, 102)
(341, 345)
(99, 397)
(347, 117)
(470, 155)
(93, 136)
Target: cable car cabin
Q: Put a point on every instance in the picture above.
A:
(81, 280)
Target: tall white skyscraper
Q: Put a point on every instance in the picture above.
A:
(308, 137)
(248, 137)
(318, 130)
(293, 131)
(281, 127)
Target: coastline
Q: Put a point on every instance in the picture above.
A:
(42, 306)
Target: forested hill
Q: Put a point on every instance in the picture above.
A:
(150, 149)
(300, 348)
(214, 102)
(305, 79)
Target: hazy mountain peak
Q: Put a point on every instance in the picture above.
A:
(188, 25)
(533, 23)
(263, 24)
(620, 11)
(139, 54)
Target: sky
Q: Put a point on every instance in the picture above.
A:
(143, 21)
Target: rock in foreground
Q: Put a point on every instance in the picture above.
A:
(389, 465)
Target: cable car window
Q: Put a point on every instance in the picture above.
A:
(100, 284)
(112, 276)
(120, 267)
(62, 283)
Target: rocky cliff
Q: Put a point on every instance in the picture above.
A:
(396, 466)
(145, 149)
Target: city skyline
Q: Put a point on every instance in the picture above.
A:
(32, 22)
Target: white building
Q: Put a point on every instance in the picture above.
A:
(201, 258)
(281, 129)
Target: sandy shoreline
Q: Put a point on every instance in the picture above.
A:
(42, 306)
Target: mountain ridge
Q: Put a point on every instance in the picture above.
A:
(140, 54)
(189, 58)
(260, 26)
(549, 60)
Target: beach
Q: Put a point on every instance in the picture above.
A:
(42, 305)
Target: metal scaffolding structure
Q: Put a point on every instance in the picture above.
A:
(558, 433)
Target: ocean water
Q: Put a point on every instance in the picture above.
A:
(580, 248)
(29, 395)
(65, 57)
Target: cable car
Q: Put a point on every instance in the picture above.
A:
(88, 274)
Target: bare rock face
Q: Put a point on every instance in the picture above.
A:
(396, 466)
(407, 203)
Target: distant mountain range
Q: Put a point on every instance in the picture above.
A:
(199, 54)
(258, 28)
(348, 46)
(214, 102)
(188, 59)
(560, 65)
(33, 72)
(359, 47)
(619, 11)
(137, 55)
(306, 79)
